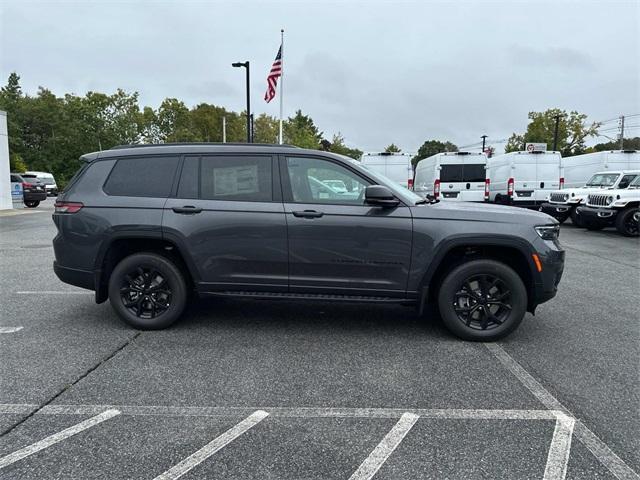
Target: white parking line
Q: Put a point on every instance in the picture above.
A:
(597, 447)
(385, 448)
(56, 292)
(10, 329)
(56, 437)
(558, 456)
(212, 447)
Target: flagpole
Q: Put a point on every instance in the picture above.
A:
(281, 79)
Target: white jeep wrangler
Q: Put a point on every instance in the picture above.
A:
(561, 204)
(620, 207)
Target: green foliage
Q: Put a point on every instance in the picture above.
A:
(50, 133)
(573, 130)
(629, 144)
(393, 148)
(432, 147)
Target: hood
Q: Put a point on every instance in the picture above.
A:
(482, 212)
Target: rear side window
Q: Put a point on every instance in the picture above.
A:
(451, 173)
(142, 177)
(236, 178)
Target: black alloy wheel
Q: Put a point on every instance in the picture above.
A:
(145, 292)
(483, 302)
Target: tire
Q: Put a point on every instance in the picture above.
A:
(134, 280)
(498, 199)
(32, 203)
(459, 295)
(626, 224)
(575, 217)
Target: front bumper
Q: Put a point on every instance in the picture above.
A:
(546, 283)
(556, 210)
(597, 216)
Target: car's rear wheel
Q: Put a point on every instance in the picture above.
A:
(482, 300)
(575, 217)
(148, 291)
(32, 203)
(627, 222)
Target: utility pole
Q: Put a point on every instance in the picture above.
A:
(484, 138)
(555, 134)
(252, 128)
(246, 65)
(621, 132)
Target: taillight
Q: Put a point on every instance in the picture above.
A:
(486, 188)
(436, 188)
(410, 183)
(68, 207)
(510, 187)
(27, 185)
(561, 183)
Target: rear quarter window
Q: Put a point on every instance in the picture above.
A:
(142, 177)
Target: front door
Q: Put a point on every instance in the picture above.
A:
(337, 244)
(228, 215)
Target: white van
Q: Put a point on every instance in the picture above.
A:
(523, 178)
(394, 166)
(577, 170)
(458, 176)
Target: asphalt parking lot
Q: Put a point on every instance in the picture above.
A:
(248, 389)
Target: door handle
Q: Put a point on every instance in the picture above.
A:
(187, 209)
(307, 214)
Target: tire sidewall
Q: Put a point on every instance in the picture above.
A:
(452, 283)
(172, 275)
(622, 219)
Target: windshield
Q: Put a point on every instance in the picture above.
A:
(387, 182)
(603, 180)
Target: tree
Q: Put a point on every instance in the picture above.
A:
(629, 144)
(336, 145)
(431, 147)
(174, 121)
(300, 131)
(572, 131)
(393, 148)
(266, 129)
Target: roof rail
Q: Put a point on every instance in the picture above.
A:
(181, 144)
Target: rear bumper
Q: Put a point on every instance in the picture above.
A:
(597, 216)
(34, 196)
(74, 276)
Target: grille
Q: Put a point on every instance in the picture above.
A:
(557, 198)
(597, 200)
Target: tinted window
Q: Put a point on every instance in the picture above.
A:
(188, 186)
(236, 178)
(314, 181)
(473, 172)
(625, 181)
(142, 177)
(451, 173)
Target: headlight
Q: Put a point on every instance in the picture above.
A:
(566, 197)
(548, 232)
(609, 200)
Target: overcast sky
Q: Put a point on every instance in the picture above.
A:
(379, 72)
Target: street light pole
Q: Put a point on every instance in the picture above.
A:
(246, 65)
(484, 138)
(555, 133)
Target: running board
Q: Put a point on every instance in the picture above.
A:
(309, 296)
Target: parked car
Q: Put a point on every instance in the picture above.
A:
(576, 170)
(32, 193)
(393, 165)
(619, 208)
(245, 220)
(523, 179)
(46, 179)
(458, 176)
(562, 204)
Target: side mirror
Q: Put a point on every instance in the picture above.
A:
(380, 196)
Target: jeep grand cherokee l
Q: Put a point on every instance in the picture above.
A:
(145, 226)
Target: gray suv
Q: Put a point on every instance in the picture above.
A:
(147, 226)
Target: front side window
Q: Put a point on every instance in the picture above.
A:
(625, 181)
(142, 177)
(236, 178)
(314, 180)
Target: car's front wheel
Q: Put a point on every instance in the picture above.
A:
(482, 300)
(148, 291)
(627, 222)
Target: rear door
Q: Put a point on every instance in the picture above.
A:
(547, 175)
(227, 213)
(473, 178)
(524, 177)
(451, 178)
(337, 244)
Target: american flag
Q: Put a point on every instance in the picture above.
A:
(272, 78)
